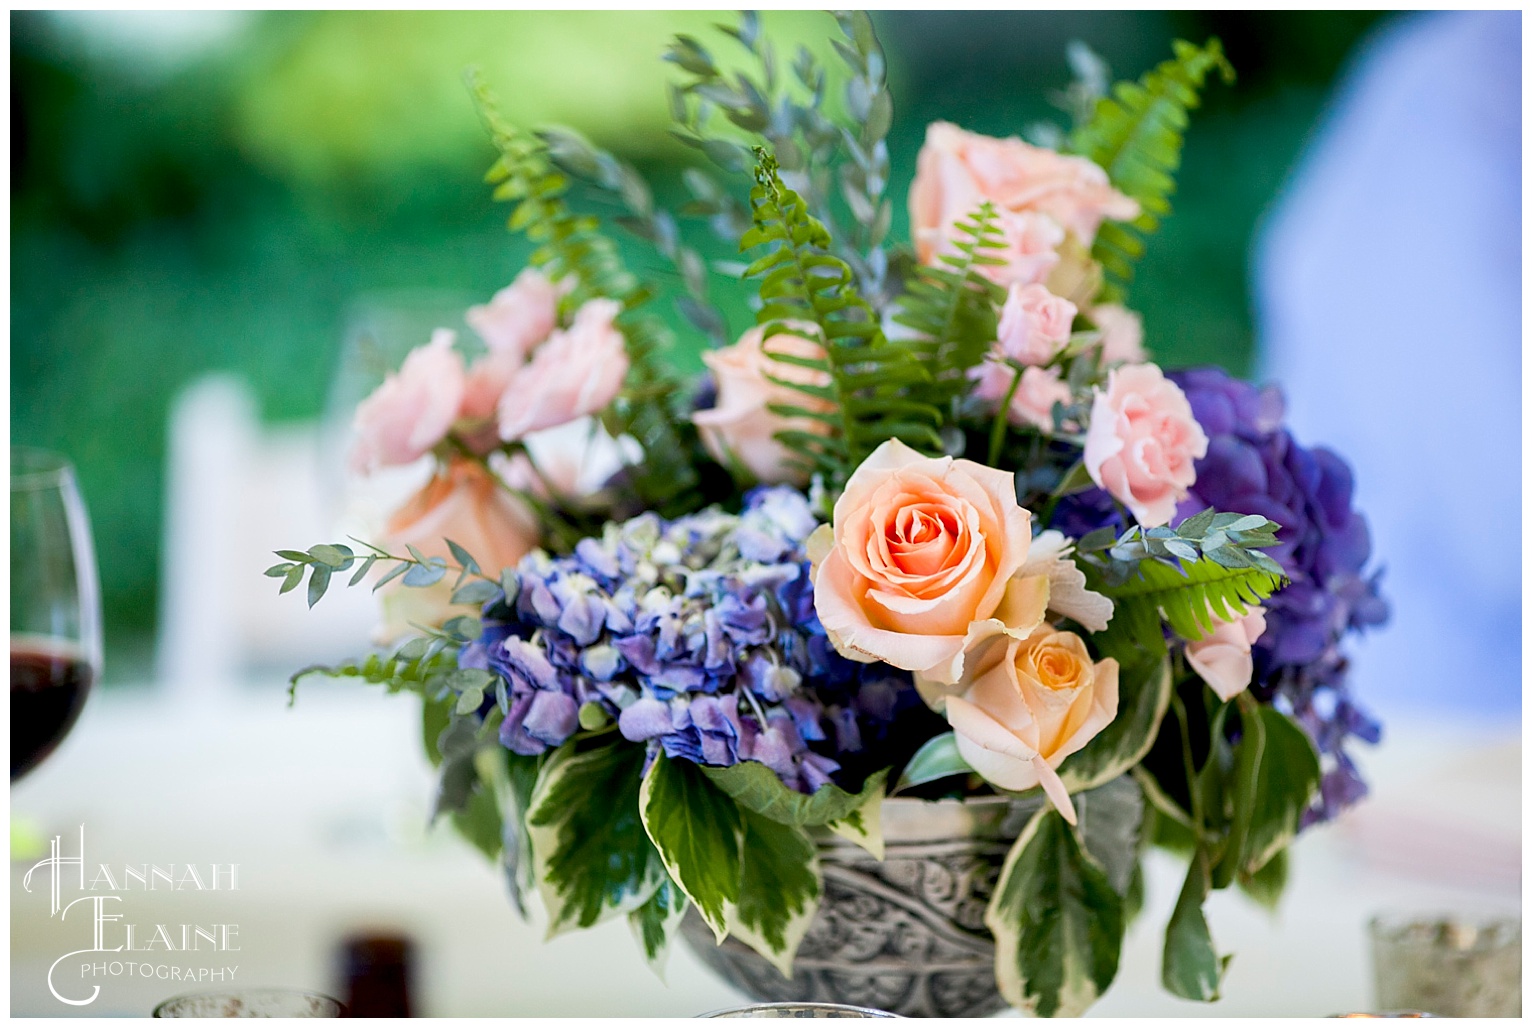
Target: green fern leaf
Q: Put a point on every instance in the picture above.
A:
(878, 389)
(569, 244)
(951, 308)
(1135, 134)
(1188, 598)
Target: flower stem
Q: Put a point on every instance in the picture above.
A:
(997, 431)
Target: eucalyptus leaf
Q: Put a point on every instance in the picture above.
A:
(756, 787)
(419, 576)
(476, 592)
(319, 581)
(695, 827)
(1057, 922)
(591, 860)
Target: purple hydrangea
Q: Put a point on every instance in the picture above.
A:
(699, 637)
(1254, 466)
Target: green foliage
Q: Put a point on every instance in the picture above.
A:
(696, 829)
(655, 921)
(575, 155)
(1267, 885)
(1275, 787)
(938, 758)
(1192, 968)
(756, 787)
(817, 151)
(870, 379)
(1143, 690)
(592, 860)
(1187, 598)
(1135, 134)
(1057, 922)
(572, 244)
(779, 888)
(951, 307)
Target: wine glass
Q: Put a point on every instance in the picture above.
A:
(55, 605)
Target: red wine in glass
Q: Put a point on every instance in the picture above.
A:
(55, 606)
(49, 682)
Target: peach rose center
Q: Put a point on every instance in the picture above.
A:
(1057, 668)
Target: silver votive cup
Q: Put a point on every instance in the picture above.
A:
(800, 1010)
(1448, 966)
(251, 1003)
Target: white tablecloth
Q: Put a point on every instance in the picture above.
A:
(323, 808)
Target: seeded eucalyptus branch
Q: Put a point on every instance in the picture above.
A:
(719, 116)
(578, 157)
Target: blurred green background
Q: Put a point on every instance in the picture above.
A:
(201, 191)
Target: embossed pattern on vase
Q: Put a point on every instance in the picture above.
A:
(907, 935)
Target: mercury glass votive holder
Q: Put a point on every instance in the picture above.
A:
(251, 1003)
(1448, 966)
(800, 1010)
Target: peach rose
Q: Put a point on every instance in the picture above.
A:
(1036, 393)
(518, 317)
(464, 503)
(578, 371)
(919, 560)
(1027, 704)
(956, 170)
(1223, 659)
(412, 410)
(1034, 324)
(739, 428)
(1122, 333)
(1142, 442)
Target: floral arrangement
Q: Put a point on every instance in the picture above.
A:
(934, 525)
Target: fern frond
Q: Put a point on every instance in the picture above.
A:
(1135, 134)
(951, 307)
(877, 388)
(1188, 599)
(570, 244)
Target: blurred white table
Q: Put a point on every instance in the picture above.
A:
(323, 807)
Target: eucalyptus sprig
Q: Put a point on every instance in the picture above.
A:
(418, 570)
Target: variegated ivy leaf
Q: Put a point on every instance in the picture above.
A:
(591, 860)
(1192, 968)
(696, 829)
(655, 922)
(778, 889)
(1143, 696)
(756, 787)
(1057, 922)
(863, 826)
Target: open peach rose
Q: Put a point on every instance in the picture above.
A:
(412, 410)
(1027, 704)
(464, 503)
(1143, 442)
(920, 560)
(1223, 659)
(739, 428)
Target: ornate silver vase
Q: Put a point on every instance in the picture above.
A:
(907, 935)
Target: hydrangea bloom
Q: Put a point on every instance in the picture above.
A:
(699, 637)
(1254, 466)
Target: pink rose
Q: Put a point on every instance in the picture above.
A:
(412, 410)
(919, 558)
(1142, 442)
(578, 371)
(518, 317)
(1034, 324)
(464, 503)
(1122, 333)
(1036, 393)
(957, 170)
(1025, 705)
(1223, 659)
(1030, 253)
(739, 428)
